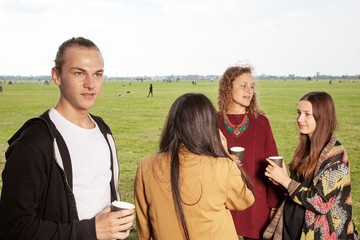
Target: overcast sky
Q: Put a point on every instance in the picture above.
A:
(164, 37)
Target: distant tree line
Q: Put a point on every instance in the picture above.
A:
(308, 78)
(18, 77)
(187, 77)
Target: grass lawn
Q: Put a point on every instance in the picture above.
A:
(136, 121)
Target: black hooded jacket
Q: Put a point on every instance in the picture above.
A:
(37, 201)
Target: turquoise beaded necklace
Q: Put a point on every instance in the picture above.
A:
(236, 130)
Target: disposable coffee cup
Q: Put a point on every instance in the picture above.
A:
(277, 159)
(239, 153)
(118, 206)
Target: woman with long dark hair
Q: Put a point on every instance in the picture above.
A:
(185, 190)
(244, 124)
(319, 204)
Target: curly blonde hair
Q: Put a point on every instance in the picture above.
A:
(225, 92)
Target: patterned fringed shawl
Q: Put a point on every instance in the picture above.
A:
(328, 201)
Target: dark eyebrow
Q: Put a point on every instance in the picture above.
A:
(83, 70)
(77, 68)
(247, 82)
(306, 111)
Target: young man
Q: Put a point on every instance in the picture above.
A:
(61, 170)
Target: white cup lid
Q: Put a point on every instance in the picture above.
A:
(123, 205)
(237, 149)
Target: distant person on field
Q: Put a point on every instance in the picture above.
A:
(61, 170)
(187, 189)
(1, 88)
(150, 91)
(319, 203)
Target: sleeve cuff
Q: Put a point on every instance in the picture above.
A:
(86, 229)
(293, 185)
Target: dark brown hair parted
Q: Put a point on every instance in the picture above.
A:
(79, 41)
(225, 91)
(185, 126)
(308, 150)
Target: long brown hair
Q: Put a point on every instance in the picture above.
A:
(308, 150)
(185, 124)
(225, 91)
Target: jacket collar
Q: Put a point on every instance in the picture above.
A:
(324, 153)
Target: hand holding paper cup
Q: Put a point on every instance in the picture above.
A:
(277, 159)
(119, 206)
(239, 153)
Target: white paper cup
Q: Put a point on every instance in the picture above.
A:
(119, 206)
(277, 159)
(239, 153)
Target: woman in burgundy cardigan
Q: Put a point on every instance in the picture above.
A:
(244, 124)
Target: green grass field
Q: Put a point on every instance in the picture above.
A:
(136, 121)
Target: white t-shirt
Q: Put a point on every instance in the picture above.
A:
(90, 159)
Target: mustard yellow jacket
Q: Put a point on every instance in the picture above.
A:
(209, 186)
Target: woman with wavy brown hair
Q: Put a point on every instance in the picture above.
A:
(319, 204)
(187, 189)
(244, 124)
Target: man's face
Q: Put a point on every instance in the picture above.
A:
(81, 78)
